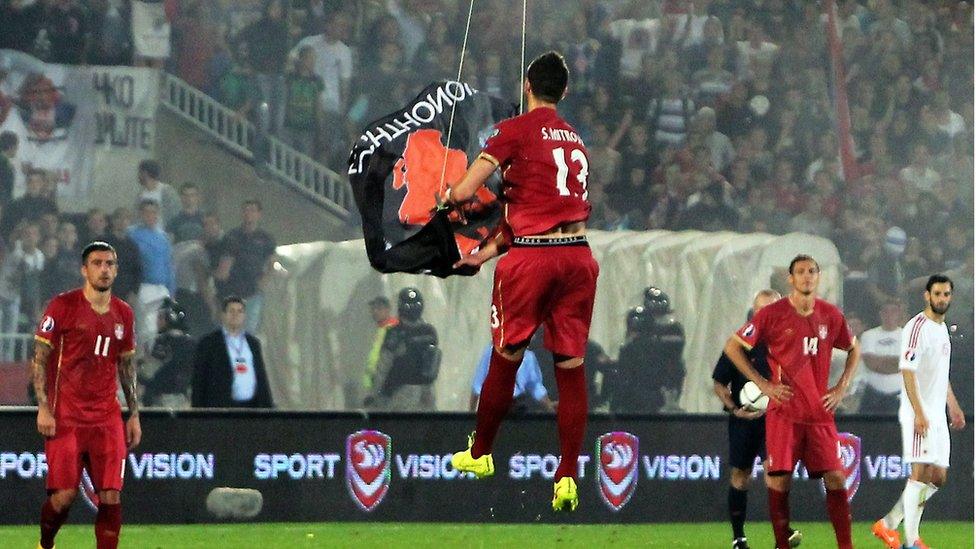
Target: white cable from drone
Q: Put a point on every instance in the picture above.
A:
(464, 47)
(450, 124)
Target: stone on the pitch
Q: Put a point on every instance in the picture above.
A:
(234, 503)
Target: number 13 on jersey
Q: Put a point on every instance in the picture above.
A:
(562, 174)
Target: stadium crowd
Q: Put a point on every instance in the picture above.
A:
(699, 114)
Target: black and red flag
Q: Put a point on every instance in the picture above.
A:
(399, 167)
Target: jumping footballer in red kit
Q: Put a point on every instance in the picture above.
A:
(800, 332)
(84, 346)
(548, 275)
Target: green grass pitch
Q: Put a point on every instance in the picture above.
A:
(944, 535)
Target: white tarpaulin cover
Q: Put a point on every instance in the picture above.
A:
(317, 330)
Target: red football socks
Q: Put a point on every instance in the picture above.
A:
(51, 522)
(839, 511)
(108, 523)
(779, 516)
(495, 400)
(571, 417)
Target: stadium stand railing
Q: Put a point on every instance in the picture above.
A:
(311, 178)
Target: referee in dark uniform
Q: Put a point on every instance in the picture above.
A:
(747, 429)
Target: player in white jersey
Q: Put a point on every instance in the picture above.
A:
(924, 364)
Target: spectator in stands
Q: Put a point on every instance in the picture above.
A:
(29, 207)
(12, 272)
(60, 272)
(713, 82)
(719, 145)
(19, 23)
(156, 258)
(96, 226)
(190, 218)
(247, 254)
(380, 95)
(49, 223)
(8, 167)
(151, 33)
(228, 365)
(303, 103)
(918, 174)
(111, 35)
(709, 211)
(638, 38)
(163, 194)
(129, 276)
(212, 239)
(886, 275)
(27, 247)
(66, 23)
(582, 54)
(198, 39)
(194, 282)
(266, 43)
(411, 24)
(238, 88)
(881, 349)
(333, 64)
(734, 117)
(669, 113)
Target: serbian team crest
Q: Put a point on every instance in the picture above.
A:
(849, 451)
(822, 331)
(119, 331)
(368, 468)
(617, 468)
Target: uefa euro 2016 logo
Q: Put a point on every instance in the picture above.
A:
(617, 476)
(368, 467)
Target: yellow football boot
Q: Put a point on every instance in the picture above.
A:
(564, 495)
(464, 462)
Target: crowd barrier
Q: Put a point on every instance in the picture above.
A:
(387, 467)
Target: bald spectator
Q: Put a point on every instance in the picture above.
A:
(880, 349)
(719, 145)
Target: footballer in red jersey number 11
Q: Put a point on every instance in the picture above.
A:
(90, 331)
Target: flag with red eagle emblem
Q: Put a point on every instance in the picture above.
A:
(399, 166)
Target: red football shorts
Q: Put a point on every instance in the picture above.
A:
(818, 445)
(98, 448)
(552, 285)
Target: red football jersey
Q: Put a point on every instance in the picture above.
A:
(544, 169)
(82, 369)
(799, 349)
